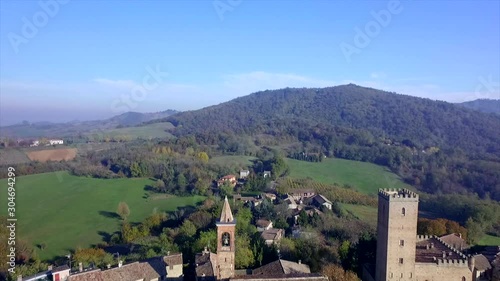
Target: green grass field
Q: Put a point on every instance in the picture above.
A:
(65, 211)
(365, 177)
(150, 131)
(234, 160)
(365, 213)
(489, 240)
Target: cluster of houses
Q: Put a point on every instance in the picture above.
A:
(234, 180)
(49, 142)
(297, 200)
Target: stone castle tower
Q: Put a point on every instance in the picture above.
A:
(396, 235)
(226, 230)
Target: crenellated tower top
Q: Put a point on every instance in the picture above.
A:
(402, 194)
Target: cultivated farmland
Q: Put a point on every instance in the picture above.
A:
(52, 154)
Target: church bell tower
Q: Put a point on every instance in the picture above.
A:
(226, 230)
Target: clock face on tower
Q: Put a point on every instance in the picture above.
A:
(225, 239)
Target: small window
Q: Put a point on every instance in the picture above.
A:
(401, 275)
(401, 261)
(403, 212)
(401, 243)
(463, 278)
(391, 275)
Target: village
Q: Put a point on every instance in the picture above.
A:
(446, 253)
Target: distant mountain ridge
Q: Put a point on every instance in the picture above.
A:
(49, 129)
(483, 105)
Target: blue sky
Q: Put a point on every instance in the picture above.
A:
(94, 59)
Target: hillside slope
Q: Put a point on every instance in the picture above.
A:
(483, 105)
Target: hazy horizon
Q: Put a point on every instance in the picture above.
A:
(89, 60)
(68, 117)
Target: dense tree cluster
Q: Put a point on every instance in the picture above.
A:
(440, 227)
(476, 215)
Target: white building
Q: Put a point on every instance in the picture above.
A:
(54, 142)
(244, 174)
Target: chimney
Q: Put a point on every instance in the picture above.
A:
(427, 247)
(472, 263)
(120, 263)
(300, 261)
(80, 266)
(19, 277)
(432, 245)
(49, 268)
(108, 266)
(168, 253)
(460, 235)
(444, 254)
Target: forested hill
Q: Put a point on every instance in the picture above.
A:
(422, 121)
(483, 105)
(435, 146)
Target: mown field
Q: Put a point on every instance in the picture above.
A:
(365, 213)
(234, 160)
(489, 240)
(65, 212)
(150, 131)
(365, 177)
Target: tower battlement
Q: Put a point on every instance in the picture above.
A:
(424, 237)
(452, 262)
(393, 194)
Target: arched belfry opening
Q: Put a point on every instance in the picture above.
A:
(226, 239)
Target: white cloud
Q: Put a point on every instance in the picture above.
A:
(120, 84)
(378, 75)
